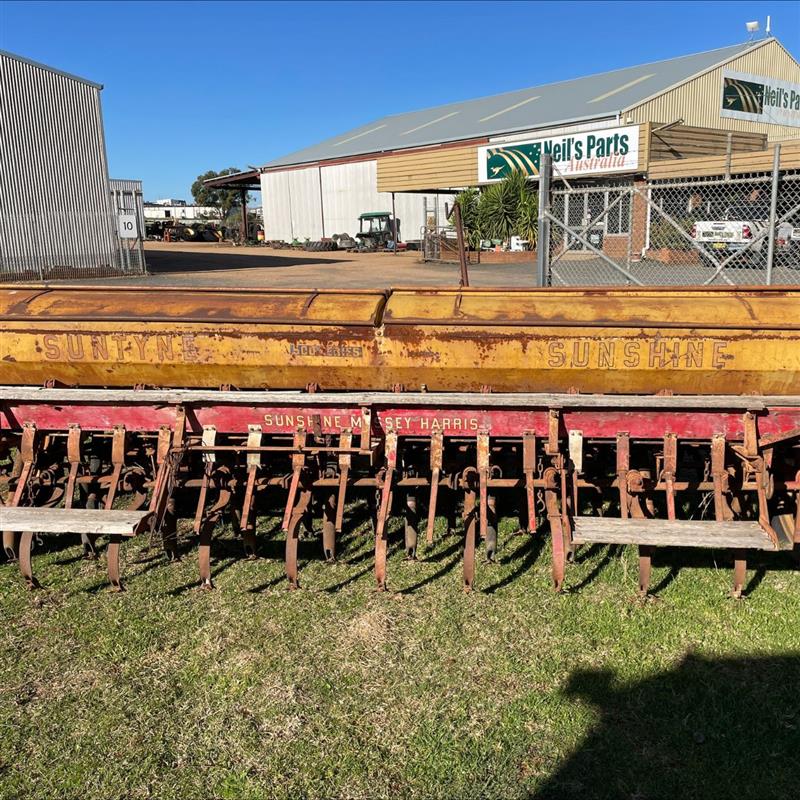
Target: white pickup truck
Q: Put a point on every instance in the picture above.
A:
(740, 225)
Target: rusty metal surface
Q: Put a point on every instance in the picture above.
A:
(209, 306)
(678, 405)
(610, 341)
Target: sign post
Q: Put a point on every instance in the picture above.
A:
(126, 225)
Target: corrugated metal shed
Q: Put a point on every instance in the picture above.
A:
(56, 216)
(312, 202)
(698, 102)
(592, 97)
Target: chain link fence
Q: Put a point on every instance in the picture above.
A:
(440, 243)
(712, 231)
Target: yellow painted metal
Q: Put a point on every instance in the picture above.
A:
(627, 341)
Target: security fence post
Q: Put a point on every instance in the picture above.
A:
(543, 239)
(773, 208)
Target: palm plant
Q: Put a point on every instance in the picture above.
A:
(528, 217)
(468, 200)
(509, 208)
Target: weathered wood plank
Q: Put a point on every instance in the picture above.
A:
(34, 394)
(672, 533)
(73, 520)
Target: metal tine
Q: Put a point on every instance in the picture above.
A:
(437, 447)
(761, 461)
(670, 470)
(118, 462)
(383, 513)
(209, 459)
(74, 458)
(345, 460)
(623, 465)
(470, 516)
(28, 451)
(253, 463)
(718, 474)
(159, 496)
(528, 467)
(298, 462)
(483, 480)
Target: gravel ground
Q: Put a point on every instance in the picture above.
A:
(182, 264)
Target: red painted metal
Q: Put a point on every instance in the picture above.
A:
(409, 421)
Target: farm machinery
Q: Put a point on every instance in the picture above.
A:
(654, 418)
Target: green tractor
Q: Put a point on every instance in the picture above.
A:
(379, 233)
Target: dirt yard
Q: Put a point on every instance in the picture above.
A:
(181, 263)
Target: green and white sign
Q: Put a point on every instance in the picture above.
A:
(608, 150)
(759, 99)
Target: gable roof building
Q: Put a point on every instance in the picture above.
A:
(667, 109)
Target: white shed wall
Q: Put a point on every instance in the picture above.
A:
(296, 202)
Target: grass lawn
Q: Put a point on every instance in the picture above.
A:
(335, 691)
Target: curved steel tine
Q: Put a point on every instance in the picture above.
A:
(293, 534)
(471, 530)
(25, 563)
(381, 538)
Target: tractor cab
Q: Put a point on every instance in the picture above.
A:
(375, 230)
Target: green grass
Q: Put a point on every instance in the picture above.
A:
(335, 691)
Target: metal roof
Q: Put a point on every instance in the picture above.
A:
(591, 97)
(55, 71)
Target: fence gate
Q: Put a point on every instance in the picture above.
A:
(713, 231)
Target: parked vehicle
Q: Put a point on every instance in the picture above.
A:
(742, 228)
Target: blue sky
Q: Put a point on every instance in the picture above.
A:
(191, 86)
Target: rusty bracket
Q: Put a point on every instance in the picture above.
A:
(253, 463)
(670, 470)
(528, 467)
(208, 439)
(164, 441)
(345, 462)
(750, 435)
(27, 452)
(74, 459)
(719, 476)
(623, 465)
(118, 462)
(298, 463)
(575, 442)
(383, 513)
(483, 477)
(437, 450)
(366, 428)
(553, 418)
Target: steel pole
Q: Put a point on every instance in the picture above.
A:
(543, 243)
(773, 210)
(394, 226)
(462, 250)
(244, 216)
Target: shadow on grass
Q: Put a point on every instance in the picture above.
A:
(612, 551)
(709, 728)
(442, 556)
(521, 563)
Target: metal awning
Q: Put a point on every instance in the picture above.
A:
(249, 181)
